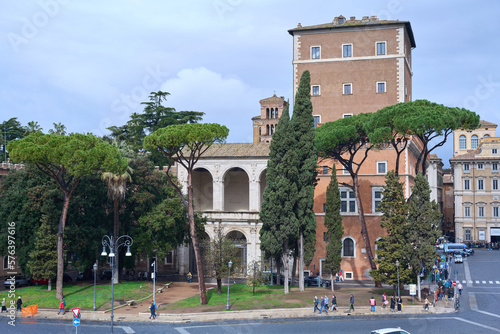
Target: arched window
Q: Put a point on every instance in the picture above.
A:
(268, 115)
(267, 130)
(462, 143)
(473, 142)
(348, 247)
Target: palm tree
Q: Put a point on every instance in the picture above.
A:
(117, 189)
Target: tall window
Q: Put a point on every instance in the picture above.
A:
(495, 211)
(467, 211)
(466, 168)
(494, 184)
(466, 184)
(473, 142)
(380, 48)
(317, 120)
(315, 90)
(347, 200)
(494, 151)
(480, 211)
(494, 167)
(480, 184)
(347, 88)
(462, 143)
(348, 247)
(380, 87)
(468, 235)
(381, 167)
(376, 198)
(315, 52)
(480, 166)
(347, 50)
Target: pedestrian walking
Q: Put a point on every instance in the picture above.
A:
(460, 288)
(426, 304)
(373, 302)
(400, 304)
(334, 303)
(153, 311)
(189, 277)
(384, 301)
(316, 302)
(393, 303)
(4, 307)
(326, 302)
(322, 306)
(351, 300)
(62, 305)
(19, 304)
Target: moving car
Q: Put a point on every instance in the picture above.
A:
(316, 281)
(18, 281)
(458, 258)
(390, 331)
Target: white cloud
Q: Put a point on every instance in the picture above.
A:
(224, 100)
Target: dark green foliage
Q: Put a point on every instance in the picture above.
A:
(9, 130)
(393, 247)
(154, 117)
(423, 226)
(303, 131)
(43, 257)
(279, 232)
(333, 224)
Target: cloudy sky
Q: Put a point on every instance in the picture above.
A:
(88, 64)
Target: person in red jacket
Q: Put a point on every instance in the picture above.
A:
(62, 305)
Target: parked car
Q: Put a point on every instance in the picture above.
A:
(38, 281)
(458, 258)
(18, 281)
(316, 281)
(390, 331)
(106, 274)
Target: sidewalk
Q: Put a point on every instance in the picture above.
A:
(177, 291)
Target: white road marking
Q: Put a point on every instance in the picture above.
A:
(478, 324)
(488, 313)
(497, 282)
(472, 301)
(464, 281)
(491, 282)
(477, 282)
(182, 330)
(126, 329)
(484, 282)
(467, 274)
(470, 282)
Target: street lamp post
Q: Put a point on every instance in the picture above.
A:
(114, 245)
(154, 280)
(397, 267)
(95, 276)
(228, 277)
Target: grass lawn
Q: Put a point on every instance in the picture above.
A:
(269, 297)
(82, 294)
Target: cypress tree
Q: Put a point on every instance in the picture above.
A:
(423, 222)
(303, 130)
(392, 248)
(334, 227)
(280, 196)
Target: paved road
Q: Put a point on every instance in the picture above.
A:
(479, 313)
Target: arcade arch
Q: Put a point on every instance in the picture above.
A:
(203, 189)
(236, 190)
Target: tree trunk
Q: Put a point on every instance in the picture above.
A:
(219, 285)
(116, 229)
(49, 287)
(332, 280)
(364, 230)
(60, 236)
(278, 271)
(301, 260)
(194, 240)
(294, 269)
(285, 269)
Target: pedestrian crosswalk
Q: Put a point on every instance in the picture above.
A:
(481, 282)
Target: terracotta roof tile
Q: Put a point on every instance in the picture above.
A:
(237, 150)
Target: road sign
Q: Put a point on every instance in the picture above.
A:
(76, 312)
(454, 283)
(76, 322)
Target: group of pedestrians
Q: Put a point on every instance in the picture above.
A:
(19, 304)
(323, 304)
